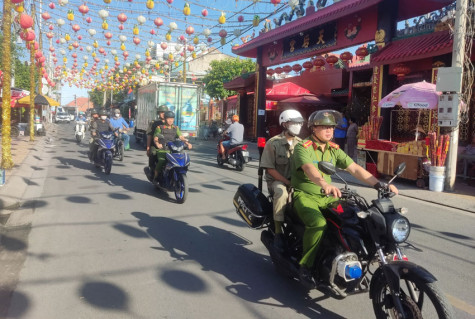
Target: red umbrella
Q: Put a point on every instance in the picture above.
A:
(285, 90)
(310, 99)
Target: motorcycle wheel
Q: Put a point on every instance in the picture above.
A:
(120, 151)
(239, 162)
(418, 298)
(219, 159)
(78, 139)
(108, 163)
(181, 189)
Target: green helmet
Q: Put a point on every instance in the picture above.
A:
(169, 115)
(103, 112)
(94, 111)
(323, 117)
(162, 108)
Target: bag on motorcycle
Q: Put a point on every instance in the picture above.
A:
(252, 206)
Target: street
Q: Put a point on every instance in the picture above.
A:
(115, 247)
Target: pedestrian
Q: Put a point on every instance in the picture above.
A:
(340, 131)
(352, 137)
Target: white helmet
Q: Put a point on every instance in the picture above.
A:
(290, 116)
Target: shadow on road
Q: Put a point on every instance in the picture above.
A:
(224, 252)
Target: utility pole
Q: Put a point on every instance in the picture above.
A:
(458, 51)
(104, 99)
(184, 64)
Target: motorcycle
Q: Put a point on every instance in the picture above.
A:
(173, 177)
(237, 155)
(80, 131)
(359, 251)
(119, 148)
(105, 151)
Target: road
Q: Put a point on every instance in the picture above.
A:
(115, 247)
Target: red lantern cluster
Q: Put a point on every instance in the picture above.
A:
(297, 67)
(287, 68)
(331, 59)
(362, 52)
(319, 63)
(307, 65)
(401, 70)
(346, 56)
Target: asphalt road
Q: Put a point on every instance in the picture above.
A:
(115, 247)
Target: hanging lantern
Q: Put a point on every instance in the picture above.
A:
(163, 45)
(275, 2)
(287, 68)
(88, 20)
(150, 4)
(168, 36)
(206, 32)
(108, 35)
(331, 59)
(158, 22)
(186, 9)
(307, 65)
(362, 52)
(173, 26)
(319, 63)
(63, 2)
(190, 30)
(270, 72)
(70, 15)
(91, 32)
(222, 18)
(76, 27)
(135, 30)
(141, 20)
(223, 33)
(401, 70)
(256, 20)
(346, 56)
(196, 40)
(223, 41)
(45, 16)
(103, 13)
(297, 67)
(122, 17)
(191, 48)
(204, 12)
(279, 70)
(67, 37)
(83, 8)
(240, 19)
(60, 22)
(26, 21)
(105, 25)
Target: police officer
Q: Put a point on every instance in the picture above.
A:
(163, 134)
(312, 186)
(151, 149)
(276, 160)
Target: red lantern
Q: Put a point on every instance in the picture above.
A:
(275, 2)
(401, 70)
(287, 68)
(76, 27)
(136, 41)
(49, 35)
(83, 8)
(223, 33)
(26, 21)
(122, 17)
(108, 35)
(332, 60)
(270, 72)
(158, 22)
(346, 56)
(319, 63)
(297, 67)
(279, 70)
(30, 36)
(362, 52)
(190, 30)
(307, 65)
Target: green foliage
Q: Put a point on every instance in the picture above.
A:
(97, 98)
(224, 71)
(20, 71)
(22, 75)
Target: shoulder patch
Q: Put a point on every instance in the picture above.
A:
(307, 143)
(334, 145)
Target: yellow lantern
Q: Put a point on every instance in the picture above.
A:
(19, 8)
(85, 64)
(147, 53)
(196, 40)
(143, 71)
(70, 47)
(193, 55)
(65, 60)
(149, 77)
(122, 46)
(168, 36)
(157, 65)
(170, 56)
(116, 58)
(136, 30)
(101, 71)
(70, 15)
(150, 4)
(107, 1)
(67, 37)
(105, 25)
(161, 71)
(125, 69)
(186, 9)
(93, 54)
(95, 44)
(177, 64)
(106, 67)
(222, 18)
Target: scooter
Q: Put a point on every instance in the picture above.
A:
(104, 155)
(80, 131)
(173, 177)
(359, 251)
(237, 155)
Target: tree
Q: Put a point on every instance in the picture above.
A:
(223, 71)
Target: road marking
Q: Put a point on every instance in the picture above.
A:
(460, 304)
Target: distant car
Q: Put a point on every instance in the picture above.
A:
(62, 117)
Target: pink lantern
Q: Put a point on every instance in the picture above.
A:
(125, 54)
(136, 41)
(163, 45)
(108, 42)
(51, 5)
(75, 45)
(51, 49)
(204, 12)
(79, 37)
(74, 55)
(121, 27)
(182, 38)
(152, 31)
(158, 22)
(88, 20)
(240, 18)
(49, 35)
(191, 48)
(190, 30)
(101, 50)
(108, 35)
(97, 60)
(51, 27)
(45, 16)
(122, 17)
(210, 39)
(83, 8)
(26, 21)
(30, 35)
(76, 28)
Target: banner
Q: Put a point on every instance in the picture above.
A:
(188, 110)
(376, 88)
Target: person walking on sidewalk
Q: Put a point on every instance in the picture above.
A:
(276, 160)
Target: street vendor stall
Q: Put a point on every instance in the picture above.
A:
(381, 156)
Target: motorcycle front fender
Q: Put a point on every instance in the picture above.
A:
(392, 271)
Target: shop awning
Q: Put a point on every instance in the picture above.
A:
(414, 48)
(39, 99)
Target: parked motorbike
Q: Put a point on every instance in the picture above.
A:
(237, 155)
(80, 131)
(359, 251)
(105, 151)
(173, 177)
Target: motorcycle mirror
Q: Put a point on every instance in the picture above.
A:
(327, 167)
(400, 169)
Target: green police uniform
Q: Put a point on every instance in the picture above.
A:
(276, 155)
(168, 134)
(308, 199)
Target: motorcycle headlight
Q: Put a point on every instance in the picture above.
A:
(400, 229)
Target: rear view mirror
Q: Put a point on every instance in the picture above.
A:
(400, 169)
(327, 168)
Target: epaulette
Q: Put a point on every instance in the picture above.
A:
(307, 144)
(334, 145)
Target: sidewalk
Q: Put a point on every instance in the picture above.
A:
(463, 198)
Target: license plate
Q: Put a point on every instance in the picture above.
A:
(245, 153)
(79, 133)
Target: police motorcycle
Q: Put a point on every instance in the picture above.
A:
(237, 155)
(173, 177)
(359, 251)
(80, 131)
(105, 151)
